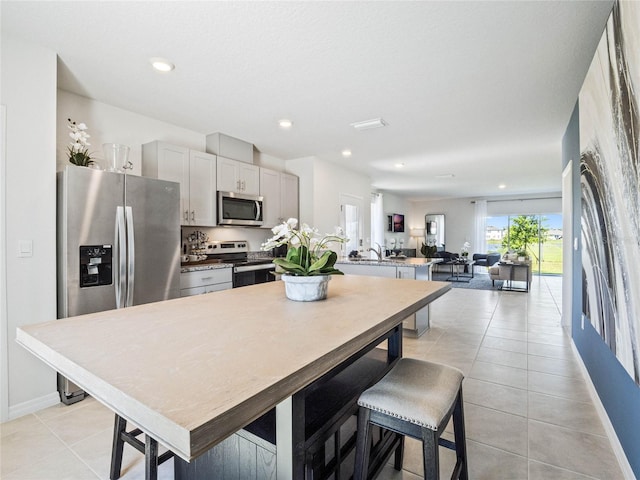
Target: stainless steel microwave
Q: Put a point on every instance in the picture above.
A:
(239, 209)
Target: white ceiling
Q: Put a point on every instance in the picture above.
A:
(482, 90)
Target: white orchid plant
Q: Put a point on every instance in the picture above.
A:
(307, 252)
(465, 249)
(78, 148)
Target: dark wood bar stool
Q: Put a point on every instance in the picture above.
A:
(415, 399)
(149, 449)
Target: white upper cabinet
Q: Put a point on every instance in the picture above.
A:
(238, 177)
(196, 173)
(280, 196)
(202, 188)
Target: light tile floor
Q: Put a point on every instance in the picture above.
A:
(527, 409)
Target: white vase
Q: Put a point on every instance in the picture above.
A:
(306, 289)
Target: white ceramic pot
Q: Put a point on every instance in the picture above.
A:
(306, 289)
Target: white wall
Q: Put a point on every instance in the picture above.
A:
(109, 124)
(303, 168)
(321, 184)
(458, 219)
(395, 204)
(29, 93)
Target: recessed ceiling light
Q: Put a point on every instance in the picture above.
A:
(368, 124)
(161, 64)
(445, 175)
(399, 165)
(502, 185)
(346, 153)
(284, 123)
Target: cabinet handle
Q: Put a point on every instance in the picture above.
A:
(238, 187)
(206, 278)
(244, 185)
(186, 215)
(193, 215)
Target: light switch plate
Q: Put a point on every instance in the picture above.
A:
(25, 248)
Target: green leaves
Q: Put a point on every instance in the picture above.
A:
(299, 261)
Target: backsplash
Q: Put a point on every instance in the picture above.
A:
(255, 237)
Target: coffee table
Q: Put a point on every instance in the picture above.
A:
(459, 274)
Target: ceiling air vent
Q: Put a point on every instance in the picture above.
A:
(369, 124)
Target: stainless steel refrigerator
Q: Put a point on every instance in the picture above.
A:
(118, 245)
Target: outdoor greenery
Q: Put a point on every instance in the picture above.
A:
(525, 231)
(523, 236)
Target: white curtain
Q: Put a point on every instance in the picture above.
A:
(377, 220)
(479, 244)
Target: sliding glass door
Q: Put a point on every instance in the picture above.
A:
(539, 236)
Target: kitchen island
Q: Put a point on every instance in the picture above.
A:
(396, 267)
(191, 372)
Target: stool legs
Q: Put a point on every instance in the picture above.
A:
(430, 456)
(430, 442)
(363, 444)
(117, 446)
(462, 470)
(150, 458)
(149, 448)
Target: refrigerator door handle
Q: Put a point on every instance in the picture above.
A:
(131, 249)
(120, 256)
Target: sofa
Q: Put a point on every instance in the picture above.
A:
(485, 259)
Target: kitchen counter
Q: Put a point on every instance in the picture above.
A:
(199, 266)
(192, 371)
(391, 261)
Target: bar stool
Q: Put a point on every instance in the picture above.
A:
(149, 448)
(416, 399)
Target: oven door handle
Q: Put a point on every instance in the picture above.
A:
(253, 268)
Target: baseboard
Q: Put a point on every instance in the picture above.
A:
(34, 405)
(606, 422)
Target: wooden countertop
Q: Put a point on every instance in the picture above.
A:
(192, 371)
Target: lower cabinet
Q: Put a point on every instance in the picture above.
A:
(415, 324)
(205, 281)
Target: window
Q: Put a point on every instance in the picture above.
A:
(539, 235)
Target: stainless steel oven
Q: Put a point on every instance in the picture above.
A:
(239, 209)
(251, 274)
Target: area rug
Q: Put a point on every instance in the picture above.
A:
(480, 281)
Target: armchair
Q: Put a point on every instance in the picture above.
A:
(514, 271)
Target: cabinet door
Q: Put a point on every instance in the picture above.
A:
(249, 177)
(270, 191)
(172, 164)
(406, 272)
(227, 180)
(371, 270)
(289, 202)
(202, 189)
